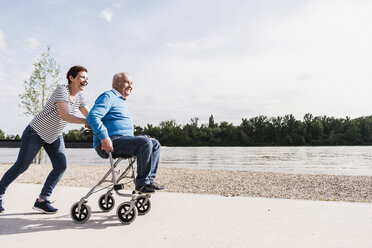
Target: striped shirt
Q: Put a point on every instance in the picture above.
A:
(48, 124)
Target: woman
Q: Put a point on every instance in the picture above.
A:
(45, 130)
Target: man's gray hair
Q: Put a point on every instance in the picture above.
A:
(118, 76)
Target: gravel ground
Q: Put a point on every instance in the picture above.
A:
(226, 183)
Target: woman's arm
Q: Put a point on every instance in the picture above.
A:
(84, 110)
(66, 116)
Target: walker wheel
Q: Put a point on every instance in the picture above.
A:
(143, 205)
(106, 205)
(82, 216)
(129, 217)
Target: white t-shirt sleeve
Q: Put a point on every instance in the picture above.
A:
(60, 94)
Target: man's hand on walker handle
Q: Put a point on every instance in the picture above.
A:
(106, 144)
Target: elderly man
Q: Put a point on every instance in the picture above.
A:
(114, 132)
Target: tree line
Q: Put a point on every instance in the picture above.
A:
(265, 131)
(256, 131)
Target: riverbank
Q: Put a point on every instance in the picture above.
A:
(226, 183)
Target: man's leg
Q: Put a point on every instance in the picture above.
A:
(141, 147)
(154, 160)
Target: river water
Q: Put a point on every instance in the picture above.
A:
(335, 160)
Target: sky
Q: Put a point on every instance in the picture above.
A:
(192, 58)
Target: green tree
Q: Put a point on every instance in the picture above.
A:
(314, 129)
(41, 84)
(194, 121)
(2, 134)
(39, 87)
(76, 135)
(170, 133)
(211, 123)
(260, 127)
(12, 137)
(352, 134)
(276, 129)
(293, 131)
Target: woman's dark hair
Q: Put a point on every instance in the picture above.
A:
(74, 71)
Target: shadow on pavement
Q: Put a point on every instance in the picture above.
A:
(36, 222)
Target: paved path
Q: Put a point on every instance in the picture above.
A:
(187, 220)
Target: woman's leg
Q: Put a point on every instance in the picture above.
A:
(56, 153)
(30, 146)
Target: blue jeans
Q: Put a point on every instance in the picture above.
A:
(147, 151)
(31, 144)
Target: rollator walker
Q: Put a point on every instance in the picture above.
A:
(139, 204)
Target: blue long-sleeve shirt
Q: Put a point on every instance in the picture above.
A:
(110, 116)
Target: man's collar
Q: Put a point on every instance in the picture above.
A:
(117, 93)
